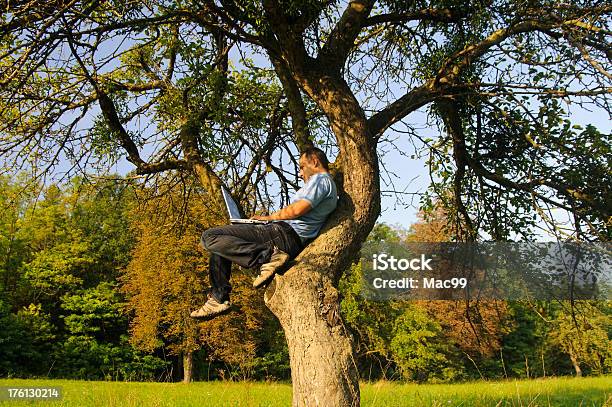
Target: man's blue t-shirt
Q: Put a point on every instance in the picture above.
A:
(320, 191)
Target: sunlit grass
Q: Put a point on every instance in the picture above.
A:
(584, 392)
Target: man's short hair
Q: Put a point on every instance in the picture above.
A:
(319, 154)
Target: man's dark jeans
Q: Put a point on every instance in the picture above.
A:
(249, 246)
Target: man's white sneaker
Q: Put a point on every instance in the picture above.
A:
(278, 259)
(211, 309)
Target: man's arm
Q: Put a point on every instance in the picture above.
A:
(295, 210)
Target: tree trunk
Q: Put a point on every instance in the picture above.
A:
(575, 364)
(305, 298)
(323, 370)
(187, 367)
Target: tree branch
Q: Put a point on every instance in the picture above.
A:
(403, 106)
(342, 38)
(452, 121)
(451, 69)
(210, 180)
(265, 150)
(153, 168)
(108, 110)
(282, 41)
(299, 123)
(444, 15)
(136, 87)
(211, 9)
(456, 63)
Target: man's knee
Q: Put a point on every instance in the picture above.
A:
(209, 237)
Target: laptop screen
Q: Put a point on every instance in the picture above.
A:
(232, 208)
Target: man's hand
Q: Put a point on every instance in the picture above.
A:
(295, 210)
(260, 217)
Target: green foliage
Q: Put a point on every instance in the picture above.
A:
(84, 357)
(433, 341)
(273, 362)
(60, 309)
(94, 312)
(395, 334)
(25, 341)
(584, 333)
(522, 346)
(383, 233)
(100, 213)
(370, 321)
(419, 347)
(55, 270)
(14, 243)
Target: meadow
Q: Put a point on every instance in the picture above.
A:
(595, 391)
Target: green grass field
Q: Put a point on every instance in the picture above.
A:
(546, 392)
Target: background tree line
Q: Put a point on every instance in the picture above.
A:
(94, 285)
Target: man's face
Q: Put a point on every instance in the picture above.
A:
(308, 166)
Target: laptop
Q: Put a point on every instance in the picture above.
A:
(234, 213)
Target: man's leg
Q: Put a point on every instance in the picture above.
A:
(243, 244)
(251, 246)
(219, 272)
(218, 299)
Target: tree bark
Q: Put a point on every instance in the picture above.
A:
(187, 367)
(323, 369)
(575, 364)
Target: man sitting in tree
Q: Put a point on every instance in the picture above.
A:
(269, 246)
